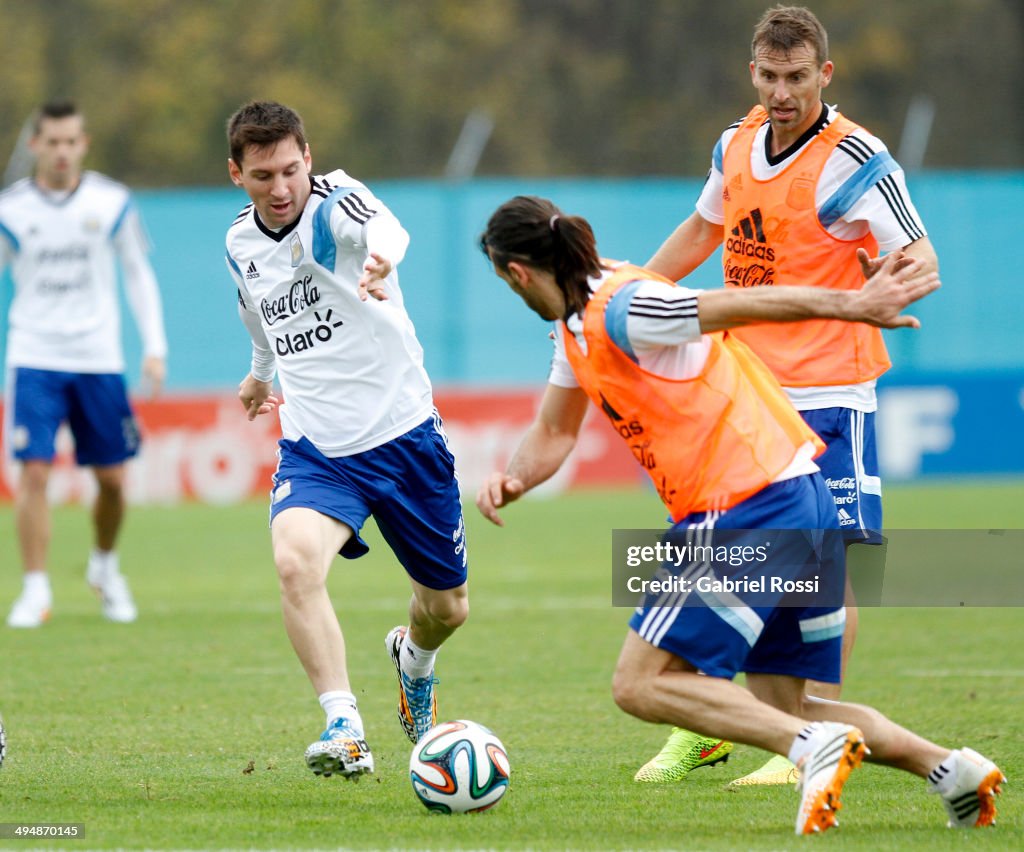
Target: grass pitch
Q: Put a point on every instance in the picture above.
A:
(186, 729)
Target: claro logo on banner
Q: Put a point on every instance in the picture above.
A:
(201, 447)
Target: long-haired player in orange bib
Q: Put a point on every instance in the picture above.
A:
(732, 460)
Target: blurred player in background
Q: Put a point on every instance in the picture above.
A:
(655, 359)
(361, 436)
(794, 190)
(61, 232)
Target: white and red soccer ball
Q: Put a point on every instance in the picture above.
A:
(459, 767)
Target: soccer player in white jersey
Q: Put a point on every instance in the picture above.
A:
(314, 259)
(794, 190)
(62, 232)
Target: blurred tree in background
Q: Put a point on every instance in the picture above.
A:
(575, 87)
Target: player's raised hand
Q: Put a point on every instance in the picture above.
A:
(498, 490)
(870, 265)
(256, 397)
(372, 283)
(894, 284)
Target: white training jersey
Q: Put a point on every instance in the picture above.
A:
(864, 186)
(657, 327)
(61, 249)
(351, 372)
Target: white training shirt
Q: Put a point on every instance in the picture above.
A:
(62, 249)
(656, 326)
(868, 203)
(351, 372)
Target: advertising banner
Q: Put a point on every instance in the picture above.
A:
(202, 447)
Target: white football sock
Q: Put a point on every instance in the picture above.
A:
(942, 779)
(340, 704)
(104, 562)
(37, 584)
(102, 567)
(806, 741)
(416, 662)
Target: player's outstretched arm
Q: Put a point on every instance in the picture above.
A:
(894, 284)
(545, 446)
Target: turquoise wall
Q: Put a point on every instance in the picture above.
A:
(476, 332)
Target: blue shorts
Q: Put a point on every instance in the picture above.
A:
(94, 405)
(410, 487)
(849, 467)
(722, 633)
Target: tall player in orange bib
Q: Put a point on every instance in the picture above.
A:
(794, 190)
(731, 459)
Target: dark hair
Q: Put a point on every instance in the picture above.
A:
(533, 231)
(784, 28)
(57, 108)
(263, 124)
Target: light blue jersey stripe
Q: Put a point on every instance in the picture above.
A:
(616, 316)
(233, 265)
(325, 249)
(13, 240)
(119, 221)
(854, 187)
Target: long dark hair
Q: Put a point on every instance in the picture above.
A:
(533, 231)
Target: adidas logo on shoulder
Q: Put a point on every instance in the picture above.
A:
(736, 185)
(846, 519)
(251, 272)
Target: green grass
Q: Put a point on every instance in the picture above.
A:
(145, 732)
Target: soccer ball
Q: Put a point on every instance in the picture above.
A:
(459, 767)
(3, 743)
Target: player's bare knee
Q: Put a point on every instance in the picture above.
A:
(449, 610)
(110, 480)
(34, 477)
(458, 614)
(295, 572)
